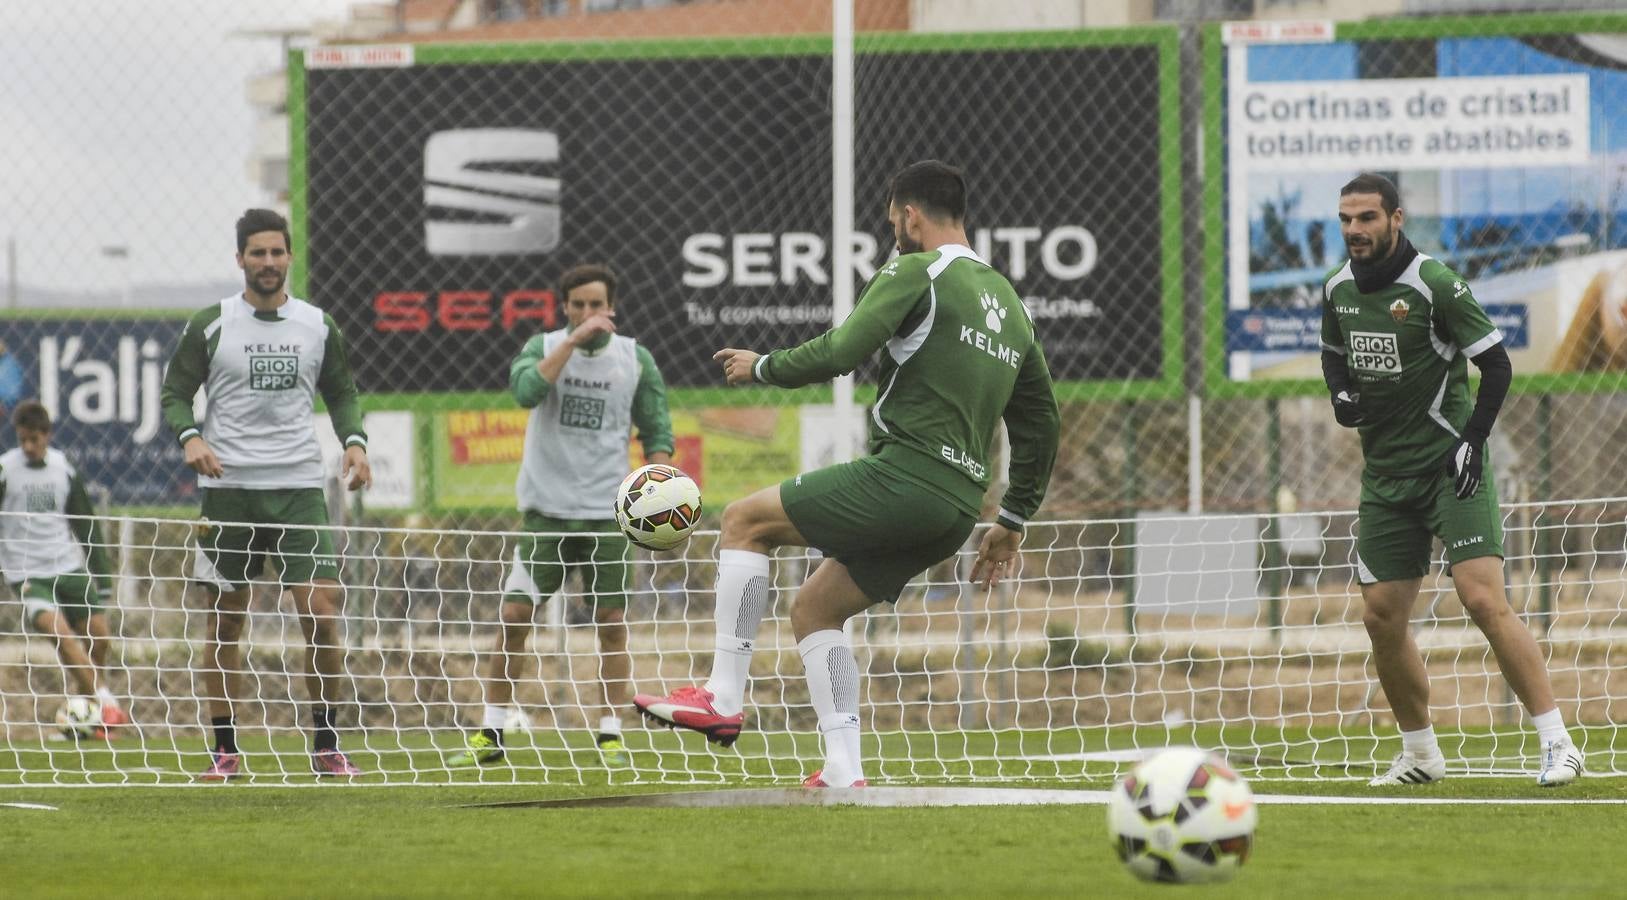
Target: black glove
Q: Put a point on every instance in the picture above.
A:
(1466, 462)
(1347, 409)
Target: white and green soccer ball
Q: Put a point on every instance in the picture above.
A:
(1182, 816)
(657, 506)
(79, 717)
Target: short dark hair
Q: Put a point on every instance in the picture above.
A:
(31, 415)
(1374, 183)
(935, 188)
(255, 221)
(587, 273)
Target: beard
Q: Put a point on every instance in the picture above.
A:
(906, 245)
(266, 282)
(1380, 248)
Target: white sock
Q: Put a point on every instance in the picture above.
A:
(495, 717)
(1550, 726)
(610, 725)
(1421, 742)
(742, 598)
(833, 688)
(106, 698)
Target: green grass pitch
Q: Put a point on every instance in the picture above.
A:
(333, 840)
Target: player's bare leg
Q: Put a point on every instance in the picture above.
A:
(1480, 588)
(317, 605)
(1387, 614)
(615, 681)
(223, 665)
(99, 638)
(223, 657)
(752, 528)
(70, 649)
(824, 604)
(502, 668)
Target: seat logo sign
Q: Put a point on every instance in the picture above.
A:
(484, 195)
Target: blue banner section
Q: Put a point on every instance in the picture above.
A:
(1300, 330)
(100, 379)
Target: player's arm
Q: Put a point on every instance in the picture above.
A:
(1455, 311)
(1034, 426)
(651, 416)
(886, 302)
(1336, 369)
(338, 389)
(187, 370)
(525, 382)
(85, 527)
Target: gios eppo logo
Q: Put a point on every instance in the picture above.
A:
(489, 181)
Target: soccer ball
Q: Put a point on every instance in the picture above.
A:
(1182, 816)
(657, 506)
(79, 717)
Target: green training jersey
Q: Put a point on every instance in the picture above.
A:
(1405, 346)
(961, 354)
(261, 373)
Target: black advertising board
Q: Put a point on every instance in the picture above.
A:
(442, 196)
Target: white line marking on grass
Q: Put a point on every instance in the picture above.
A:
(29, 806)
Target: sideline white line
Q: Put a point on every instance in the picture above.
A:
(29, 806)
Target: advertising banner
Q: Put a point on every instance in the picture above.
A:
(445, 193)
(1507, 150)
(100, 380)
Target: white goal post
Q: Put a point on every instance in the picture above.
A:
(1242, 633)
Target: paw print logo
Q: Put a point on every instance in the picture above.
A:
(993, 312)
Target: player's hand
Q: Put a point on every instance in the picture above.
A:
(737, 364)
(201, 459)
(356, 471)
(996, 555)
(593, 326)
(1347, 409)
(1467, 463)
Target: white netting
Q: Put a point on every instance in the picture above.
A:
(1118, 637)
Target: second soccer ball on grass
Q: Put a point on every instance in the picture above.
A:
(657, 506)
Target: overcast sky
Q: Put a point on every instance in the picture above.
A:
(127, 123)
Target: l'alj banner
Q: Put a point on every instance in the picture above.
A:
(100, 380)
(447, 187)
(1508, 152)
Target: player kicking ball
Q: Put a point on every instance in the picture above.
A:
(1396, 329)
(52, 553)
(960, 356)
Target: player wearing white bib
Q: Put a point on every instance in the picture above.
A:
(53, 557)
(588, 389)
(262, 357)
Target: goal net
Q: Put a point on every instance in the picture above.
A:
(1116, 637)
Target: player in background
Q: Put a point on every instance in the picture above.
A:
(53, 556)
(1396, 329)
(262, 357)
(960, 356)
(587, 388)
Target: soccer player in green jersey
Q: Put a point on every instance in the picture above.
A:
(262, 357)
(587, 388)
(1396, 329)
(960, 355)
(52, 555)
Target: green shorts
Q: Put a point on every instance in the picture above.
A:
(239, 552)
(73, 594)
(1399, 516)
(595, 546)
(885, 528)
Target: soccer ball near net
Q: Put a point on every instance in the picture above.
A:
(657, 506)
(79, 717)
(1182, 816)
